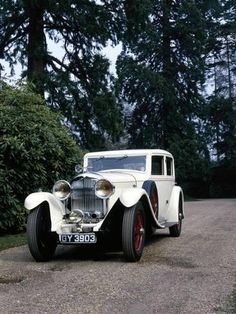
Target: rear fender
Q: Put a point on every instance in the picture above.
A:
(176, 201)
(56, 207)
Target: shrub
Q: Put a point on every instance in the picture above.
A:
(35, 150)
(222, 182)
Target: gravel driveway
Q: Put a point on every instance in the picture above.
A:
(195, 273)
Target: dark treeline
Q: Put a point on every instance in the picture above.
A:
(176, 77)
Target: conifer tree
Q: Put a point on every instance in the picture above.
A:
(221, 110)
(160, 74)
(78, 83)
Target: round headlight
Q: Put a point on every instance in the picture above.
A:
(62, 189)
(104, 188)
(76, 216)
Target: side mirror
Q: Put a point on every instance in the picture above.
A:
(78, 168)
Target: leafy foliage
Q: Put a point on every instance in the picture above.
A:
(160, 75)
(223, 180)
(35, 150)
(221, 128)
(170, 49)
(78, 82)
(220, 108)
(161, 72)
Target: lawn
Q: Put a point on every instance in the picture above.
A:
(8, 241)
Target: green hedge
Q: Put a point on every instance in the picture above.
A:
(223, 183)
(35, 150)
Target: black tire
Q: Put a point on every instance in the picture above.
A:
(41, 241)
(151, 189)
(175, 230)
(133, 232)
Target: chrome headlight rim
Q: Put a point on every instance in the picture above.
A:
(62, 187)
(104, 189)
(76, 216)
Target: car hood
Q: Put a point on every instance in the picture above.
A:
(115, 176)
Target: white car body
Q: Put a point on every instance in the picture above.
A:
(153, 166)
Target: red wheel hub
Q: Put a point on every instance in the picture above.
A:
(154, 202)
(138, 232)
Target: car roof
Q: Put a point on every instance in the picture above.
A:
(129, 152)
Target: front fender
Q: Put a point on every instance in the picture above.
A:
(130, 197)
(56, 207)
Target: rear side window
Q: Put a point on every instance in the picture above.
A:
(169, 166)
(157, 165)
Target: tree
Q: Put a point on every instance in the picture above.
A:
(160, 74)
(35, 150)
(221, 112)
(219, 116)
(78, 84)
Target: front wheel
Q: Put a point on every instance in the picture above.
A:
(151, 189)
(41, 241)
(133, 232)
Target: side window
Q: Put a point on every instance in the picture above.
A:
(169, 166)
(157, 165)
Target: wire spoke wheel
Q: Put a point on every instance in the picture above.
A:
(133, 232)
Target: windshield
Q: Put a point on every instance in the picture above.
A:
(123, 162)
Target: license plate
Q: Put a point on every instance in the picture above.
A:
(78, 238)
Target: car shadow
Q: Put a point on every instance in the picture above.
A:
(87, 253)
(157, 237)
(78, 253)
(97, 253)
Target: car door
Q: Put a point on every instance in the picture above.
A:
(162, 172)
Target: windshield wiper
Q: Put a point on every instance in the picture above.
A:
(118, 159)
(95, 160)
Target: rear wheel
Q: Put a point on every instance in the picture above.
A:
(175, 230)
(41, 241)
(133, 232)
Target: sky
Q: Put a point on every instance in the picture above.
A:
(57, 51)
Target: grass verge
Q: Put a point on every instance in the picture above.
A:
(12, 240)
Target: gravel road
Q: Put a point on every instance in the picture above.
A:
(195, 273)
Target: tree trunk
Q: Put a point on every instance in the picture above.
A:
(36, 46)
(167, 69)
(228, 68)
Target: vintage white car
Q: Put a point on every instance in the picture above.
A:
(122, 196)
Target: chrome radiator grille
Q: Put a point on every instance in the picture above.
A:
(83, 197)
